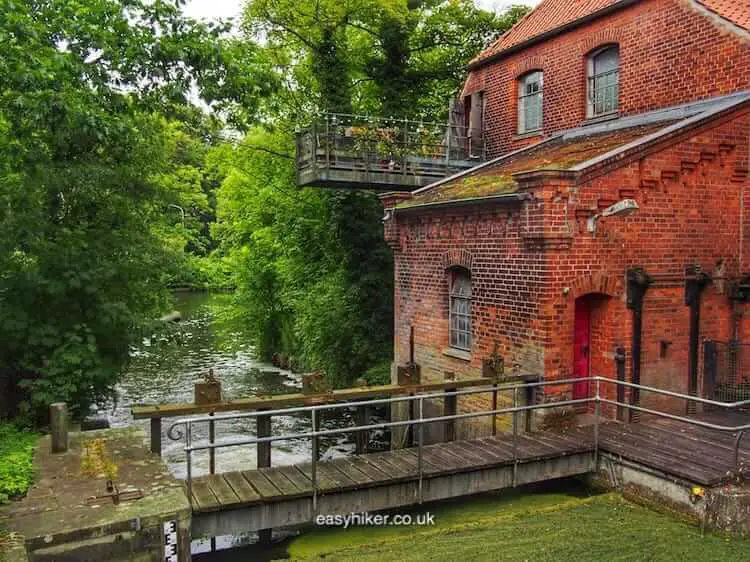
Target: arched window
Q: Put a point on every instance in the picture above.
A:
(603, 81)
(530, 88)
(459, 316)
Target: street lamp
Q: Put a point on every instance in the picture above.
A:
(620, 209)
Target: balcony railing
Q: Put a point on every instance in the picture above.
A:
(354, 151)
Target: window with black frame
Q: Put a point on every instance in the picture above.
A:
(530, 114)
(604, 81)
(460, 309)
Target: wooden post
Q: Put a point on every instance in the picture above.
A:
(58, 421)
(264, 449)
(362, 437)
(530, 401)
(316, 440)
(156, 436)
(264, 461)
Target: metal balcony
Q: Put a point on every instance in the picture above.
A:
(356, 152)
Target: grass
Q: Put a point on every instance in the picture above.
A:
(542, 524)
(16, 471)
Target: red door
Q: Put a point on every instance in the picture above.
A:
(581, 348)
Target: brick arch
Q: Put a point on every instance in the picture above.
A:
(457, 258)
(524, 66)
(601, 39)
(596, 283)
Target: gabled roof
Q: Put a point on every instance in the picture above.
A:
(555, 16)
(573, 151)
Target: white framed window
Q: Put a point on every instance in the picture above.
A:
(530, 88)
(603, 81)
(459, 311)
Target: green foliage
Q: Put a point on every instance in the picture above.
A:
(90, 160)
(312, 269)
(16, 470)
(379, 374)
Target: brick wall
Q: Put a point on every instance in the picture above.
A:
(670, 53)
(530, 261)
(691, 198)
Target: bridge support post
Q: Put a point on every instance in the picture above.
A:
(362, 436)
(156, 436)
(264, 461)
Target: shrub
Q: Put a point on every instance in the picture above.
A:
(16, 452)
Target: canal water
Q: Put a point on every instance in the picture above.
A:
(165, 366)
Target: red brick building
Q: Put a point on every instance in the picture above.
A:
(584, 104)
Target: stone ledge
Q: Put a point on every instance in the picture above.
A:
(457, 353)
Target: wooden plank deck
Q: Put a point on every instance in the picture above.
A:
(268, 485)
(695, 454)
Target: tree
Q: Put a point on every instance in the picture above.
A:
(86, 90)
(315, 277)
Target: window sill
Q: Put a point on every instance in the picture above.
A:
(528, 135)
(461, 354)
(601, 118)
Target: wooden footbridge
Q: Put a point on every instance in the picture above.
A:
(703, 449)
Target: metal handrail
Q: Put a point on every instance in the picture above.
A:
(315, 434)
(490, 386)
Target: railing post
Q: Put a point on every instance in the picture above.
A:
(494, 407)
(420, 454)
(410, 439)
(188, 460)
(211, 451)
(450, 408)
(328, 141)
(515, 435)
(405, 149)
(156, 436)
(314, 463)
(597, 412)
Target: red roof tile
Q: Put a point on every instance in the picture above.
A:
(549, 15)
(736, 11)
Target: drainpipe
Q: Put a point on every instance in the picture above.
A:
(638, 281)
(695, 282)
